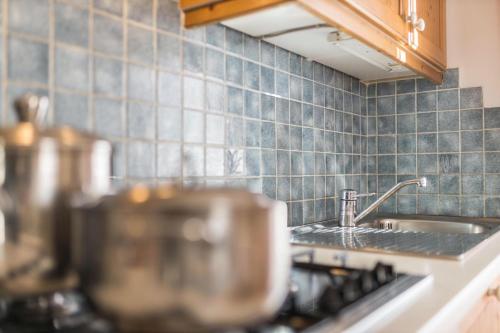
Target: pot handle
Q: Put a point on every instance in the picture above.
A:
(31, 108)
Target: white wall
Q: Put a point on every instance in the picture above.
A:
(473, 42)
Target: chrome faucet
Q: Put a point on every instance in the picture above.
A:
(348, 202)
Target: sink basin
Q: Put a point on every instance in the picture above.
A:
(427, 226)
(446, 237)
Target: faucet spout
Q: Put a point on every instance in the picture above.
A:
(347, 214)
(420, 182)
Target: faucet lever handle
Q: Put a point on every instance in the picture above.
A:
(365, 195)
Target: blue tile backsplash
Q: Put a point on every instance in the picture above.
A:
(444, 133)
(212, 106)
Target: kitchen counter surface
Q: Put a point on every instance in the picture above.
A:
(438, 305)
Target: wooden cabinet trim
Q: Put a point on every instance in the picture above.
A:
(223, 10)
(343, 17)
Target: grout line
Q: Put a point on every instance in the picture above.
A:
(125, 143)
(51, 69)
(156, 86)
(90, 65)
(5, 53)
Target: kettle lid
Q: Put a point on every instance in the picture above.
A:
(31, 111)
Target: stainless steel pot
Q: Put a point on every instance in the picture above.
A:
(42, 170)
(167, 260)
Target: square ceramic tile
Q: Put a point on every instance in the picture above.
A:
(235, 100)
(215, 129)
(194, 125)
(169, 160)
(108, 35)
(140, 160)
(472, 162)
(471, 119)
(141, 83)
(268, 105)
(492, 117)
(307, 91)
(405, 86)
(215, 35)
(252, 162)
(168, 53)
(28, 61)
(386, 88)
(108, 117)
(426, 102)
(492, 140)
(140, 45)
(405, 103)
(282, 59)
(471, 141)
(169, 124)
(141, 11)
(168, 16)
(295, 64)
(450, 79)
(234, 41)
(214, 96)
(71, 110)
(141, 120)
(251, 48)
(251, 75)
(110, 6)
(267, 80)
(29, 16)
(448, 100)
(449, 163)
(71, 69)
(282, 84)
(193, 57)
(71, 24)
(252, 133)
(471, 98)
(425, 85)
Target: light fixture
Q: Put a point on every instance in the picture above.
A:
(359, 50)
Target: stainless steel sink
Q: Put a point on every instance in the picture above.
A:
(428, 226)
(429, 236)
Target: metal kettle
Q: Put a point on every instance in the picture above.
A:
(42, 170)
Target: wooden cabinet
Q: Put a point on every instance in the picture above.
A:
(392, 16)
(432, 41)
(383, 25)
(485, 317)
(388, 14)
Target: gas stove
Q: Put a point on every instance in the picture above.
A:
(327, 298)
(322, 298)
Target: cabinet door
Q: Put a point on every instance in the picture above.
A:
(391, 15)
(432, 41)
(388, 14)
(485, 317)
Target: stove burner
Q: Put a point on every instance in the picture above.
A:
(56, 312)
(322, 293)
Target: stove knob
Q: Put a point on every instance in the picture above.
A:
(331, 300)
(368, 282)
(383, 273)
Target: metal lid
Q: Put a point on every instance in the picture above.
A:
(29, 133)
(149, 199)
